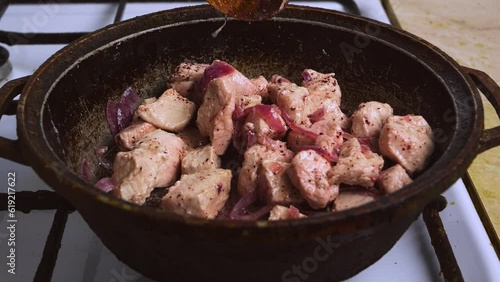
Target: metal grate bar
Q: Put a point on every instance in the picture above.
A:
(39, 200)
(439, 239)
(19, 38)
(120, 10)
(52, 246)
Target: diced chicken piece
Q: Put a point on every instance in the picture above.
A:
(330, 135)
(170, 112)
(369, 118)
(407, 140)
(308, 172)
(326, 134)
(283, 213)
(353, 198)
(290, 98)
(252, 160)
(261, 83)
(321, 85)
(215, 114)
(274, 85)
(393, 179)
(267, 121)
(200, 159)
(274, 186)
(185, 77)
(296, 140)
(155, 162)
(357, 165)
(245, 102)
(127, 138)
(193, 138)
(147, 101)
(239, 84)
(327, 109)
(201, 194)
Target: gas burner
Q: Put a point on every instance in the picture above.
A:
(5, 65)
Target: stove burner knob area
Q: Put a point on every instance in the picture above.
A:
(5, 65)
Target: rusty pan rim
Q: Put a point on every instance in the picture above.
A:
(59, 176)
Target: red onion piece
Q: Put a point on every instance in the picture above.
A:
(256, 214)
(87, 172)
(251, 140)
(317, 115)
(119, 115)
(271, 115)
(129, 102)
(238, 113)
(215, 70)
(99, 151)
(106, 185)
(366, 143)
(365, 140)
(238, 211)
(294, 212)
(279, 79)
(298, 128)
(111, 112)
(331, 157)
(245, 138)
(245, 201)
(306, 76)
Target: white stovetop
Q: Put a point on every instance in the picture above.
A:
(82, 256)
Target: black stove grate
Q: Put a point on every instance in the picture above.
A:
(47, 200)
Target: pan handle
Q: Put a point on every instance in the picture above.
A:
(10, 149)
(490, 89)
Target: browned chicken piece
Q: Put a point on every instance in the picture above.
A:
(357, 165)
(308, 172)
(170, 112)
(274, 186)
(261, 83)
(200, 159)
(407, 140)
(369, 118)
(127, 138)
(294, 100)
(185, 77)
(321, 85)
(283, 213)
(393, 179)
(193, 138)
(155, 162)
(215, 114)
(252, 160)
(201, 194)
(353, 198)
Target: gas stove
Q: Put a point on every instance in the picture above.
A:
(53, 242)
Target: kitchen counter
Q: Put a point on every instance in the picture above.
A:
(470, 33)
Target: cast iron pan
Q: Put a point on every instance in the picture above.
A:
(60, 119)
